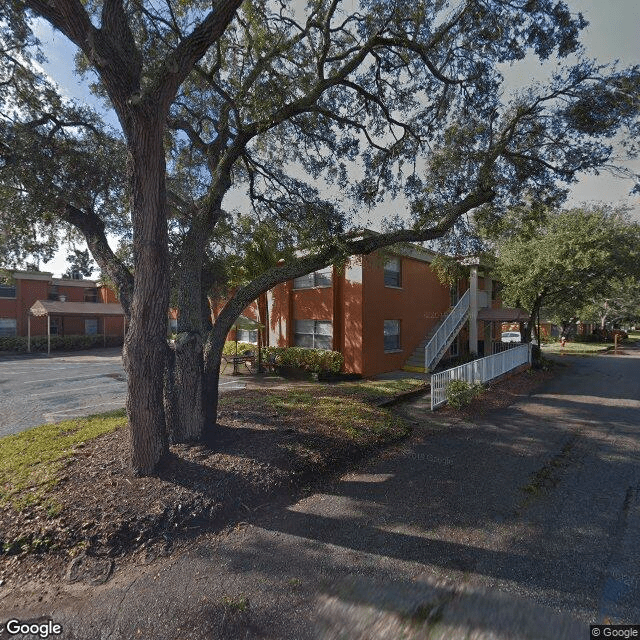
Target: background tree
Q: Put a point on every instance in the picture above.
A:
(575, 257)
(281, 102)
(615, 306)
(80, 264)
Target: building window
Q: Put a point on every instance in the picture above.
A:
(91, 295)
(247, 335)
(53, 292)
(8, 327)
(392, 273)
(454, 349)
(320, 278)
(314, 334)
(392, 335)
(7, 290)
(55, 326)
(91, 326)
(173, 325)
(454, 295)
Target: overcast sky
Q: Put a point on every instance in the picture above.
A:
(613, 33)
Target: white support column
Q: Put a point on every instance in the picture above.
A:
(473, 310)
(488, 326)
(29, 332)
(48, 334)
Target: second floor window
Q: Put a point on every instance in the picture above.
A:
(7, 290)
(53, 292)
(91, 295)
(454, 295)
(320, 278)
(392, 273)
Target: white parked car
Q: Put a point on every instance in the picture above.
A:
(510, 336)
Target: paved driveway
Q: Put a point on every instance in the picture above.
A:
(39, 389)
(522, 525)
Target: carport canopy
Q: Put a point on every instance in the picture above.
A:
(55, 307)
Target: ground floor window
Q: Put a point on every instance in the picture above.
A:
(247, 335)
(55, 326)
(91, 326)
(314, 334)
(391, 335)
(454, 349)
(8, 327)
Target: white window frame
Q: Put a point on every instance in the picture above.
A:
(305, 328)
(321, 279)
(247, 335)
(388, 325)
(393, 271)
(86, 327)
(8, 327)
(7, 289)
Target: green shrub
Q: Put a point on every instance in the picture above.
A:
(58, 343)
(460, 393)
(311, 360)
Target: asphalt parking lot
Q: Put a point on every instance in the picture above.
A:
(38, 389)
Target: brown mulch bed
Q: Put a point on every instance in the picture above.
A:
(502, 393)
(110, 516)
(258, 453)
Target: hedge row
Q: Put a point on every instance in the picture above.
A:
(311, 360)
(64, 343)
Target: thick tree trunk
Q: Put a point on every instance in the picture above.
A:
(184, 392)
(212, 358)
(184, 389)
(146, 342)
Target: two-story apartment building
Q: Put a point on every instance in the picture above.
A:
(36, 303)
(381, 311)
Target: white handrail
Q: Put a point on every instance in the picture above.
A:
(441, 337)
(481, 370)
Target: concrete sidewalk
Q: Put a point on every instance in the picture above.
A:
(523, 525)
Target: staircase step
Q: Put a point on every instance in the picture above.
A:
(412, 369)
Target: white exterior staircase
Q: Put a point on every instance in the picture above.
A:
(429, 352)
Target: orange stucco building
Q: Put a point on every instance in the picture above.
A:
(71, 307)
(378, 311)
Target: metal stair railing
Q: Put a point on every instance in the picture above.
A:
(448, 329)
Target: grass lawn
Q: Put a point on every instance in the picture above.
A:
(33, 462)
(634, 335)
(577, 348)
(30, 461)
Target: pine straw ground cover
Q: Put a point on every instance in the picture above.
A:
(66, 491)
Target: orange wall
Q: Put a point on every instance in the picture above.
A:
(418, 304)
(29, 291)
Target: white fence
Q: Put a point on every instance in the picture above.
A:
(442, 336)
(481, 370)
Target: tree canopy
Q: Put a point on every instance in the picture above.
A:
(307, 111)
(576, 257)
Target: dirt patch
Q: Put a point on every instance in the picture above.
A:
(265, 445)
